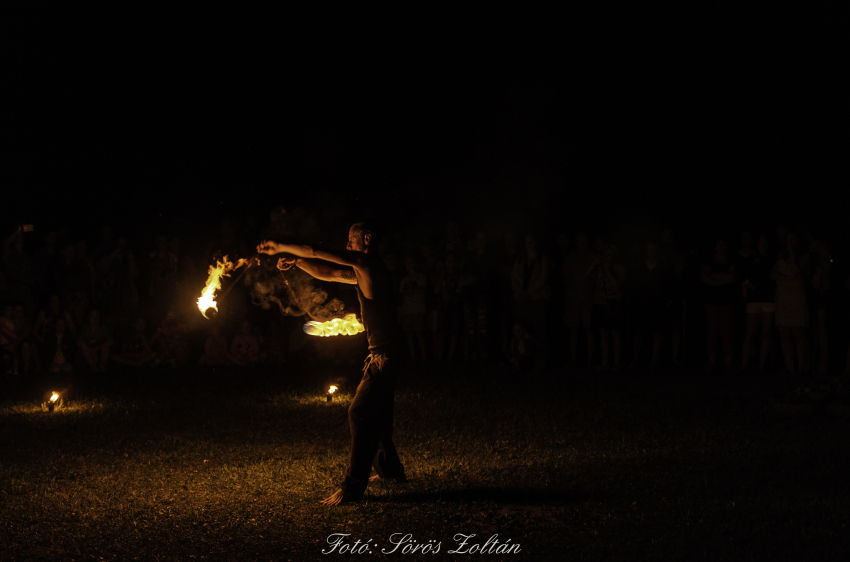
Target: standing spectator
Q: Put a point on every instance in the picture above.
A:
(579, 296)
(675, 258)
(791, 309)
(530, 283)
(95, 341)
(43, 262)
(10, 343)
(64, 271)
(162, 272)
(718, 278)
(759, 291)
(59, 348)
(83, 276)
(18, 271)
(118, 272)
(477, 297)
(821, 301)
(414, 289)
(505, 264)
(24, 331)
(650, 303)
(450, 315)
(608, 310)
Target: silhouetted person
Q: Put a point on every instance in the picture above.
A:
(530, 281)
(721, 293)
(650, 303)
(821, 301)
(759, 291)
(135, 349)
(45, 323)
(579, 296)
(59, 348)
(792, 314)
(523, 349)
(95, 342)
(609, 315)
(414, 291)
(370, 415)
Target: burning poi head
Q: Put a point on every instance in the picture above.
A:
(206, 303)
(347, 326)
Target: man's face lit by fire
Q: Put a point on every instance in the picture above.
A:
(356, 241)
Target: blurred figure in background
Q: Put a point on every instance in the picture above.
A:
(608, 310)
(759, 291)
(675, 258)
(95, 342)
(59, 348)
(450, 315)
(414, 290)
(650, 304)
(530, 283)
(505, 264)
(18, 271)
(245, 347)
(170, 340)
(118, 295)
(45, 323)
(30, 357)
(215, 348)
(579, 296)
(135, 349)
(523, 349)
(792, 313)
(718, 278)
(821, 302)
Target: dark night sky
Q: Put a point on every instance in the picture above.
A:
(168, 120)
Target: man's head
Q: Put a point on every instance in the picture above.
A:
(361, 237)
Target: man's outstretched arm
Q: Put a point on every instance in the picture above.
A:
(305, 258)
(320, 270)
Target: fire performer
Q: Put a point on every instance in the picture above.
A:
(370, 416)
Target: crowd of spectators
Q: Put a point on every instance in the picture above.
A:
(769, 301)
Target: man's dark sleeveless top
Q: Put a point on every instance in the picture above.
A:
(378, 314)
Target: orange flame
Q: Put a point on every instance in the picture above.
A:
(332, 389)
(221, 269)
(347, 326)
(54, 398)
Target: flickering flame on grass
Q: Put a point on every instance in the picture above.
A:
(221, 269)
(54, 398)
(347, 326)
(332, 389)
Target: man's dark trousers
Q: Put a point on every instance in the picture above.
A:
(370, 418)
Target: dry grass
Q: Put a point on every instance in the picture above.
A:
(570, 467)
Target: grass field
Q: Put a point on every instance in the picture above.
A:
(569, 465)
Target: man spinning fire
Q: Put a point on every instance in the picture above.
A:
(370, 416)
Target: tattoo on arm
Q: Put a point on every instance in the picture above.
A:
(348, 274)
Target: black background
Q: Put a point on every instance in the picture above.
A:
(170, 122)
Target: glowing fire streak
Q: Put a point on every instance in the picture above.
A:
(332, 389)
(347, 326)
(221, 269)
(54, 398)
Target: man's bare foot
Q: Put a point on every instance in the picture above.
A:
(338, 498)
(377, 478)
